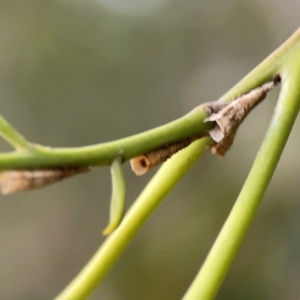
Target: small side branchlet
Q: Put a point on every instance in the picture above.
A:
(117, 202)
(229, 117)
(15, 181)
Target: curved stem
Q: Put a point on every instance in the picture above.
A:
(117, 201)
(169, 174)
(161, 184)
(210, 277)
(103, 154)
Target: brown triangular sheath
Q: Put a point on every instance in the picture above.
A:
(228, 118)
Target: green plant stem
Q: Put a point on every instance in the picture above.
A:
(180, 129)
(166, 178)
(269, 67)
(117, 201)
(161, 184)
(103, 154)
(10, 134)
(209, 279)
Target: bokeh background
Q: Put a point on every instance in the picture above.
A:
(75, 73)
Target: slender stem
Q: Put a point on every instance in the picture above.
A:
(210, 277)
(103, 154)
(117, 201)
(261, 74)
(169, 174)
(161, 184)
(10, 134)
(180, 129)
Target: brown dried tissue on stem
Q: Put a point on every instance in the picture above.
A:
(140, 165)
(228, 117)
(15, 181)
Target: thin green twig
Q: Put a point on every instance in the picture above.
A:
(157, 189)
(103, 154)
(11, 135)
(185, 127)
(210, 277)
(117, 202)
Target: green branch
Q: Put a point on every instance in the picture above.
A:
(225, 248)
(117, 201)
(166, 178)
(37, 156)
(8, 133)
(270, 66)
(103, 154)
(157, 189)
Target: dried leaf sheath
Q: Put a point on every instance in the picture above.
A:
(15, 181)
(229, 117)
(142, 164)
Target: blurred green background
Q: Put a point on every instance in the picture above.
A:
(78, 72)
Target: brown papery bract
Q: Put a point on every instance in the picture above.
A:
(15, 181)
(140, 165)
(229, 117)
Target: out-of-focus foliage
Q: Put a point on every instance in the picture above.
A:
(75, 72)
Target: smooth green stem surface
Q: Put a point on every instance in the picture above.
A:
(180, 129)
(209, 279)
(117, 201)
(103, 154)
(10, 134)
(160, 185)
(269, 67)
